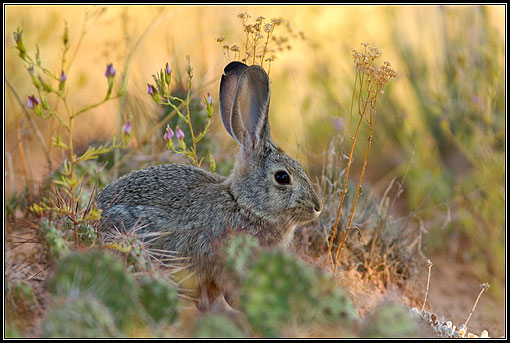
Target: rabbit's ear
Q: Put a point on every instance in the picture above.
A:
(249, 122)
(228, 85)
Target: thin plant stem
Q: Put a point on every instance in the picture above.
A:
(430, 264)
(22, 156)
(485, 287)
(32, 124)
(116, 152)
(344, 190)
(191, 126)
(339, 251)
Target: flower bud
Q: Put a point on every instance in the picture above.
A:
(45, 86)
(110, 70)
(168, 137)
(34, 104)
(189, 69)
(126, 132)
(35, 80)
(18, 38)
(110, 76)
(169, 134)
(63, 78)
(44, 103)
(179, 134)
(209, 105)
(126, 129)
(153, 92)
(37, 56)
(168, 73)
(65, 37)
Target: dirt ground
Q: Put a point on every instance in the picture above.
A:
(452, 294)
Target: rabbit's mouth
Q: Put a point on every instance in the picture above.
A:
(303, 215)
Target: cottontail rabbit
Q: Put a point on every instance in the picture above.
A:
(266, 195)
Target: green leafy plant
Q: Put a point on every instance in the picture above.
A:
(162, 95)
(67, 191)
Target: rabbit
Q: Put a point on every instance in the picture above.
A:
(266, 196)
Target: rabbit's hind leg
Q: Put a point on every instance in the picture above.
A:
(208, 293)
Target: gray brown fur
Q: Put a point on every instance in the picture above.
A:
(199, 208)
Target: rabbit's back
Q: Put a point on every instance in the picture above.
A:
(160, 198)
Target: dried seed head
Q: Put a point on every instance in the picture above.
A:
(276, 21)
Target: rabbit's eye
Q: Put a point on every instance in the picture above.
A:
(282, 177)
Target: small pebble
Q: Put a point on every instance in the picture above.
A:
(485, 334)
(449, 332)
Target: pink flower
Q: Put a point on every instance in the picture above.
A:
(168, 133)
(126, 129)
(338, 123)
(32, 102)
(179, 134)
(110, 71)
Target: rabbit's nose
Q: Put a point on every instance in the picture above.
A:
(317, 208)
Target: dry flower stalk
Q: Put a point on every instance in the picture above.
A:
(371, 82)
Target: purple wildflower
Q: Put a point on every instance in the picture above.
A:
(209, 99)
(150, 89)
(338, 123)
(126, 129)
(168, 69)
(63, 77)
(178, 133)
(32, 102)
(110, 71)
(168, 133)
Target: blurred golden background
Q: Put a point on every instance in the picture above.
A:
(440, 125)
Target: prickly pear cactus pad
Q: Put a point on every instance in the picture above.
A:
(159, 299)
(279, 289)
(83, 317)
(98, 274)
